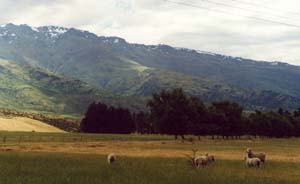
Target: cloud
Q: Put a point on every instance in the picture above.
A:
(157, 21)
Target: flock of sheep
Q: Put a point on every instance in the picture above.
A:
(251, 159)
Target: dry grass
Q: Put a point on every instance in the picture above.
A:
(141, 160)
(26, 125)
(228, 150)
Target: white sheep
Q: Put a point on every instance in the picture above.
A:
(201, 161)
(261, 156)
(111, 158)
(252, 162)
(211, 158)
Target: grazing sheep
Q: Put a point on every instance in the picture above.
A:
(111, 158)
(211, 158)
(252, 162)
(261, 156)
(201, 161)
(192, 159)
(197, 161)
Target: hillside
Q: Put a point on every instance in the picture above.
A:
(113, 66)
(245, 73)
(33, 89)
(21, 124)
(23, 87)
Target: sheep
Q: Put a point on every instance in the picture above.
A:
(201, 161)
(111, 158)
(252, 162)
(197, 161)
(261, 156)
(192, 159)
(211, 158)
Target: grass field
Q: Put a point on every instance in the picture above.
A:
(143, 159)
(26, 125)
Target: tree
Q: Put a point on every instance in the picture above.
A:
(230, 115)
(142, 123)
(273, 124)
(95, 119)
(100, 118)
(169, 111)
(281, 126)
(297, 113)
(198, 117)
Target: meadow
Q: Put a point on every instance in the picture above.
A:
(141, 159)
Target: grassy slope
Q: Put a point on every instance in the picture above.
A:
(26, 125)
(33, 89)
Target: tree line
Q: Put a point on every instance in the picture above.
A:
(101, 118)
(175, 113)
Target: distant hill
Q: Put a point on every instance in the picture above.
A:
(110, 67)
(27, 88)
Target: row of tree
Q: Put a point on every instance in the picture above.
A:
(101, 118)
(175, 113)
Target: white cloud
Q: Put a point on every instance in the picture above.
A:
(157, 21)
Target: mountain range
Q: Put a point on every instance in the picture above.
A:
(62, 70)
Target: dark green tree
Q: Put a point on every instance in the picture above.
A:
(142, 123)
(198, 118)
(100, 118)
(169, 111)
(230, 115)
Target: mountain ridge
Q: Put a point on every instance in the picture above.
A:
(58, 30)
(113, 65)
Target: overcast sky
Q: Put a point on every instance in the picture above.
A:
(224, 28)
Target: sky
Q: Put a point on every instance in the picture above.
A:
(241, 28)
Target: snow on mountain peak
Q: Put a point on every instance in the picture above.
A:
(56, 31)
(274, 63)
(35, 29)
(116, 40)
(205, 52)
(50, 31)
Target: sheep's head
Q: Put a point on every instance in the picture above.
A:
(247, 155)
(248, 150)
(111, 158)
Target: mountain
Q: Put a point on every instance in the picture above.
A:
(134, 71)
(23, 87)
(275, 76)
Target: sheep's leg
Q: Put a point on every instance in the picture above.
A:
(197, 165)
